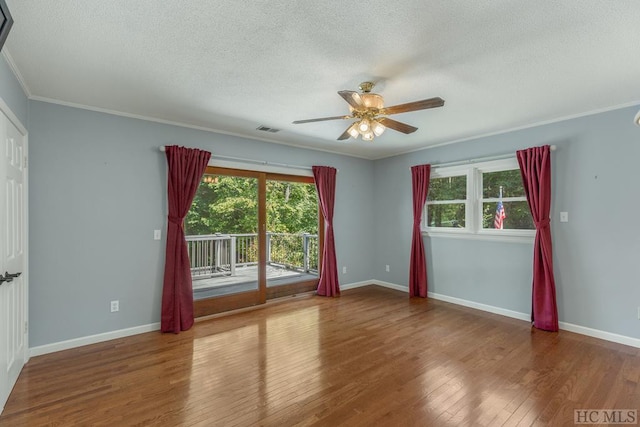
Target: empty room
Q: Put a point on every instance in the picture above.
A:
(319, 213)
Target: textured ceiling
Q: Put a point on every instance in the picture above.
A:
(231, 66)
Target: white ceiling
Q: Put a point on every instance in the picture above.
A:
(231, 66)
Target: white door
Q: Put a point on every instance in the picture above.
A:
(13, 293)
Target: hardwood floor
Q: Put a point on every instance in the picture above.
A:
(372, 357)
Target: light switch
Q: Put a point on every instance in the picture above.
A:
(564, 216)
(157, 234)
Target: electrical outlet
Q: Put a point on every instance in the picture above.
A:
(115, 306)
(344, 270)
(157, 234)
(386, 267)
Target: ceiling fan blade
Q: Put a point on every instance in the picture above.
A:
(297, 122)
(395, 125)
(353, 98)
(413, 106)
(345, 135)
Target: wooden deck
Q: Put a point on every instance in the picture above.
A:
(372, 357)
(246, 274)
(246, 279)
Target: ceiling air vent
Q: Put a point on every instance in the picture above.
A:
(267, 129)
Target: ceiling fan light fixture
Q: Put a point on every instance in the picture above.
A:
(353, 131)
(364, 126)
(377, 128)
(370, 114)
(372, 100)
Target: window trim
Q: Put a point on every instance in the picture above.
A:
(473, 219)
(468, 208)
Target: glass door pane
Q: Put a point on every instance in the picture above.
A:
(222, 237)
(292, 239)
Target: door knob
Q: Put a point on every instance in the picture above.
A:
(12, 276)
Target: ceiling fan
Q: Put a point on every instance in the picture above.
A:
(368, 108)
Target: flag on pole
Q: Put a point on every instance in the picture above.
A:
(498, 222)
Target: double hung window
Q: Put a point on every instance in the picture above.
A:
(478, 200)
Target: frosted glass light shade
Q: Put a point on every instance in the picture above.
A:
(353, 131)
(372, 100)
(377, 128)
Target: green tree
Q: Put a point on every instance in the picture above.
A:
(229, 205)
(448, 214)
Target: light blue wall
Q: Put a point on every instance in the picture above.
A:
(596, 254)
(11, 92)
(98, 190)
(87, 250)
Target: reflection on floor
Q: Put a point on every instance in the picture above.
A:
(246, 279)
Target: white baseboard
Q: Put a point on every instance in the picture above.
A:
(565, 326)
(596, 333)
(391, 286)
(92, 339)
(480, 306)
(356, 285)
(374, 282)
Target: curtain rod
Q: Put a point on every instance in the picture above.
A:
(255, 162)
(479, 159)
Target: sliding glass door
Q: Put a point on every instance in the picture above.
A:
(251, 236)
(292, 238)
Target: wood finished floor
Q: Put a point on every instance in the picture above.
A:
(372, 357)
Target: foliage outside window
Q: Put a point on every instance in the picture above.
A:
(447, 202)
(229, 205)
(464, 199)
(226, 204)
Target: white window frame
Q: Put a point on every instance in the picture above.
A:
(473, 210)
(468, 209)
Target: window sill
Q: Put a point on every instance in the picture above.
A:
(492, 237)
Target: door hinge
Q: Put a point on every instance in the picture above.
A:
(26, 326)
(25, 162)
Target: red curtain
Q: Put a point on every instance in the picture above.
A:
(186, 167)
(418, 265)
(535, 168)
(325, 178)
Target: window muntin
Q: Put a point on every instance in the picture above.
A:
(473, 210)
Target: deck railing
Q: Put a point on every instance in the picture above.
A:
(220, 254)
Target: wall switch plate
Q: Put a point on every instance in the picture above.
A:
(344, 270)
(115, 306)
(564, 216)
(386, 267)
(157, 234)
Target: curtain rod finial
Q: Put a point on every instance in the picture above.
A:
(162, 148)
(553, 148)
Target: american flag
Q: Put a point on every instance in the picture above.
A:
(500, 216)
